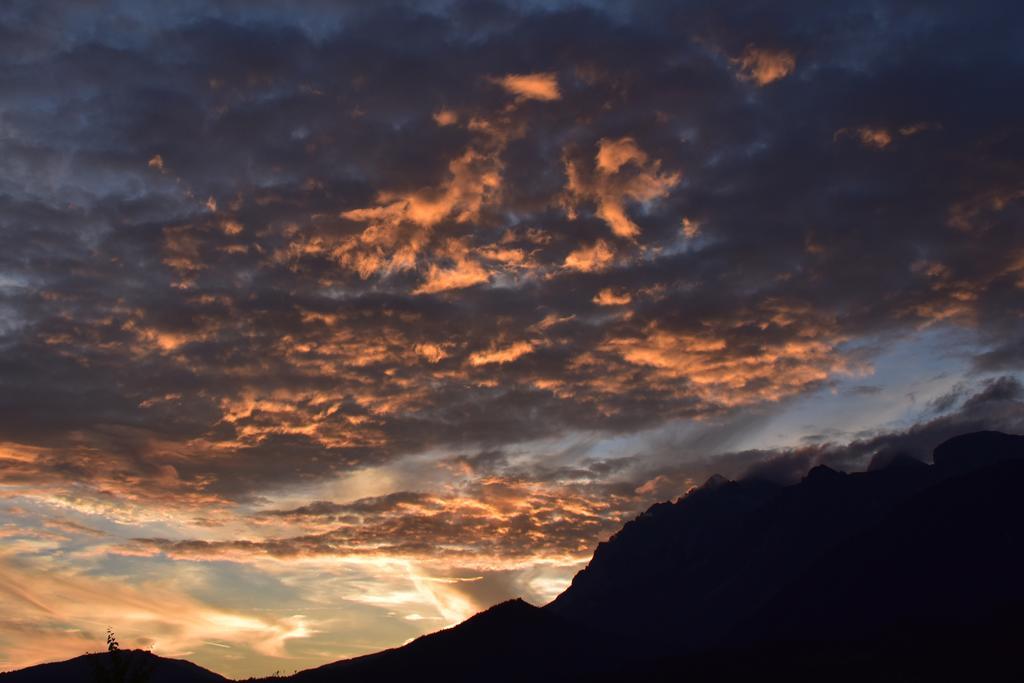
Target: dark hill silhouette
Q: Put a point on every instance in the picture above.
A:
(907, 572)
(83, 670)
(507, 641)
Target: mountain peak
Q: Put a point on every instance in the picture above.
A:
(821, 473)
(900, 460)
(715, 481)
(967, 452)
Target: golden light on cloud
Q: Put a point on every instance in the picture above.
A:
(691, 228)
(622, 173)
(434, 353)
(869, 136)
(401, 226)
(446, 117)
(614, 154)
(763, 66)
(231, 227)
(465, 273)
(500, 355)
(596, 257)
(725, 378)
(880, 137)
(609, 297)
(535, 86)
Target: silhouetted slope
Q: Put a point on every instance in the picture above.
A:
(512, 641)
(712, 559)
(82, 670)
(670, 563)
(685, 576)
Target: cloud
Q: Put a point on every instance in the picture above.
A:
(763, 66)
(691, 228)
(535, 86)
(497, 523)
(463, 273)
(399, 225)
(764, 371)
(502, 355)
(608, 297)
(610, 186)
(595, 257)
(880, 137)
(446, 117)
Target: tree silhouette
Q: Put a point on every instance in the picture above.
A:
(118, 667)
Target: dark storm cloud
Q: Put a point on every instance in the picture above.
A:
(238, 250)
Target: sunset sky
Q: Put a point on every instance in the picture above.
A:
(324, 324)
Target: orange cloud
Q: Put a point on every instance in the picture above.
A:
(691, 228)
(400, 225)
(464, 274)
(623, 172)
(869, 136)
(614, 154)
(502, 355)
(182, 253)
(608, 297)
(446, 117)
(434, 353)
(879, 137)
(484, 521)
(596, 257)
(763, 66)
(535, 86)
(723, 376)
(464, 271)
(976, 212)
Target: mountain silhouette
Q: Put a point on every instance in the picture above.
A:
(698, 568)
(84, 669)
(504, 643)
(906, 572)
